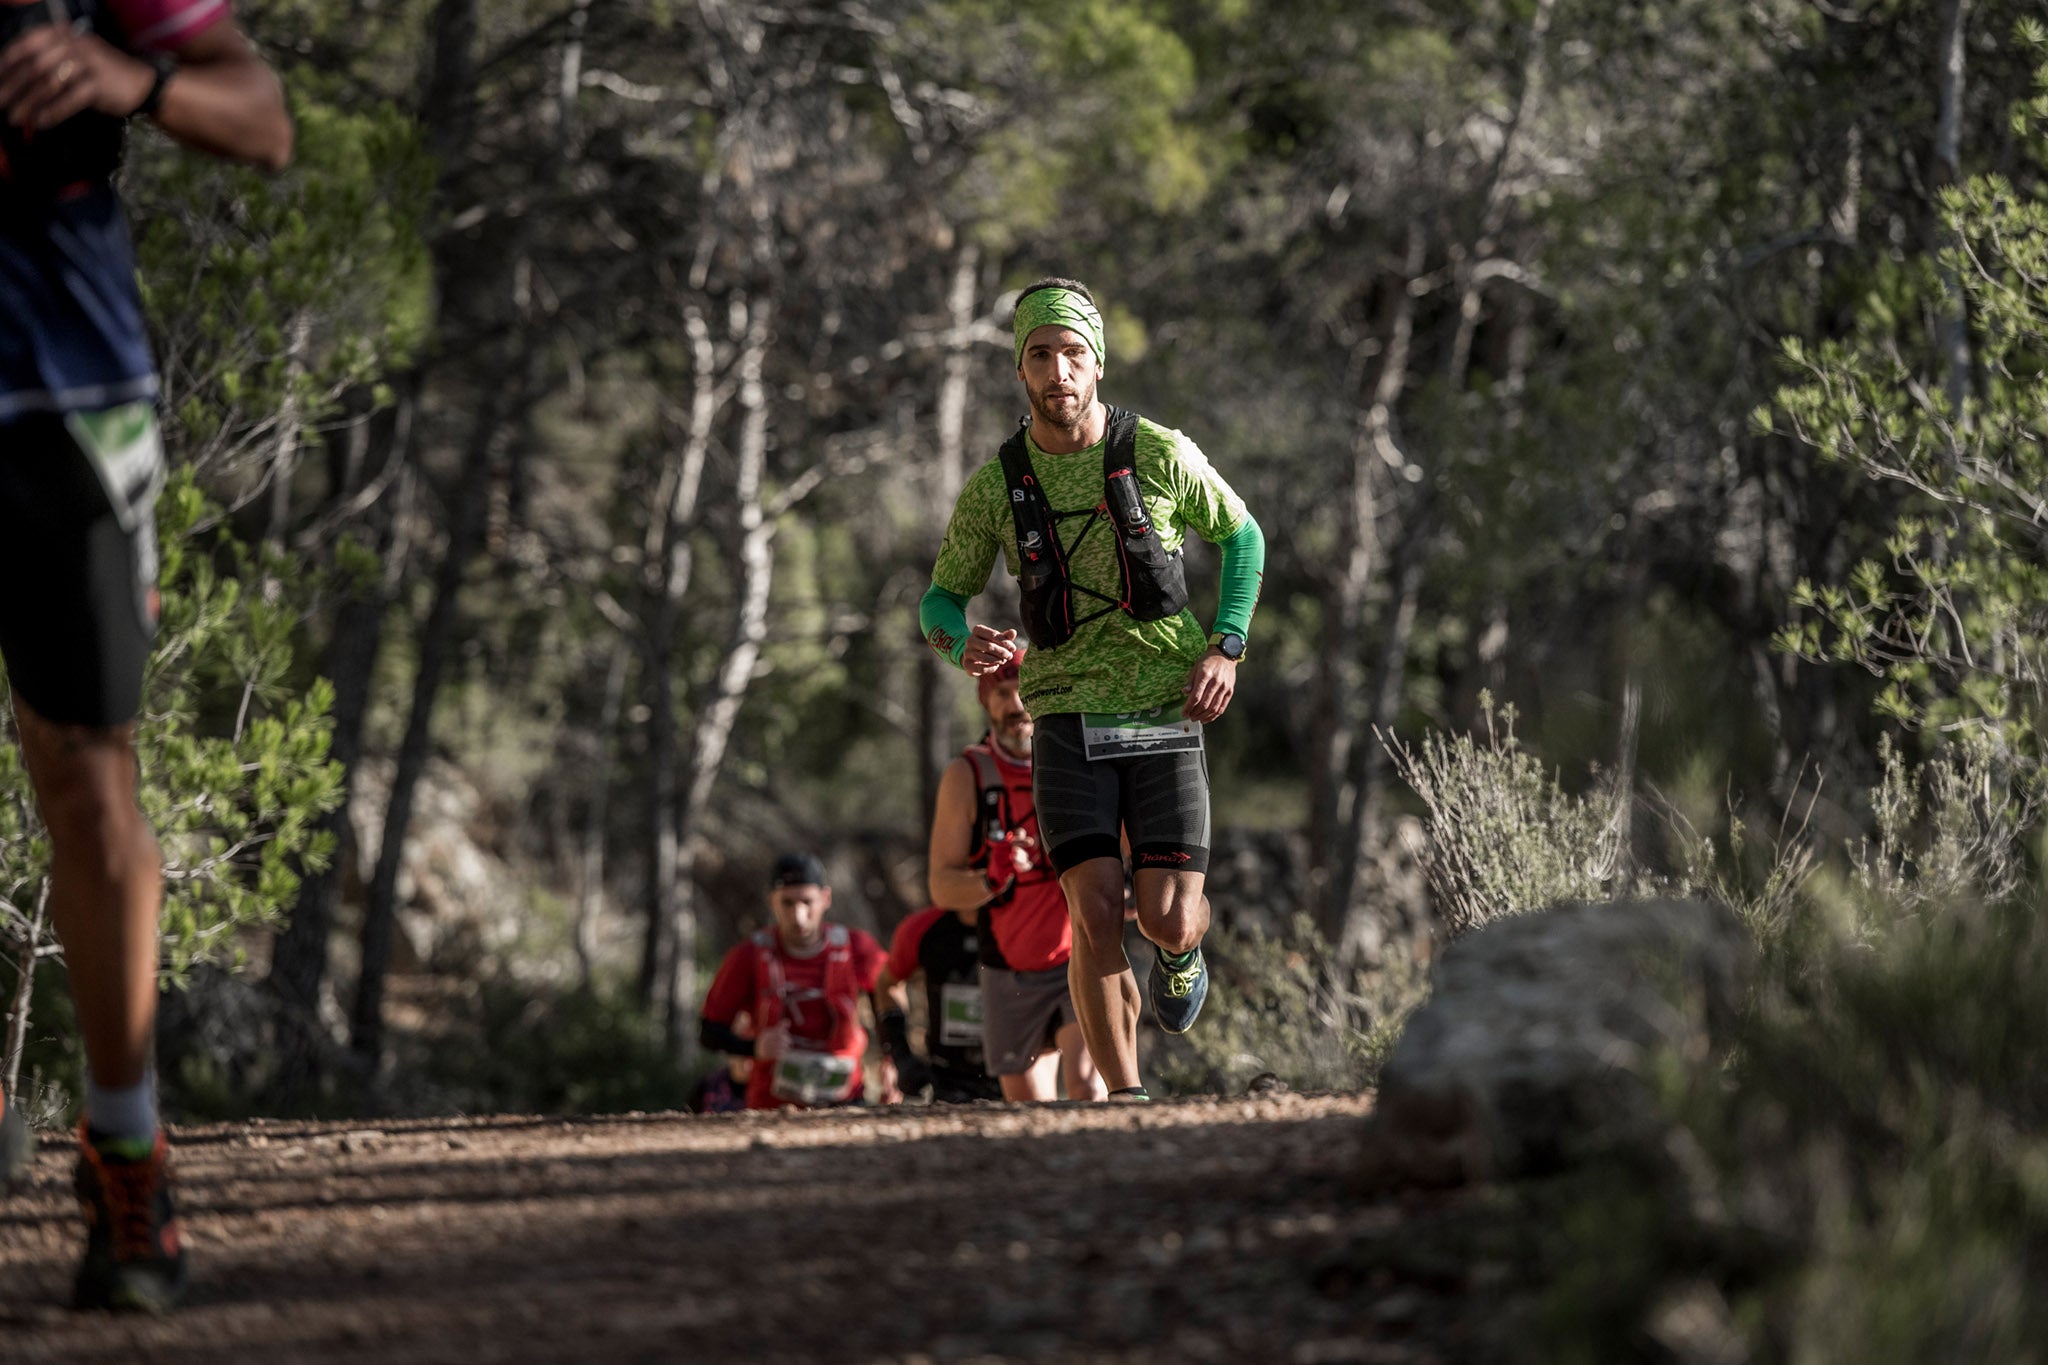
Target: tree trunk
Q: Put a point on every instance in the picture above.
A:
(669, 555)
(1375, 456)
(715, 719)
(284, 460)
(590, 891)
(300, 958)
(24, 991)
(471, 498)
(1494, 197)
(1948, 163)
(1359, 932)
(938, 737)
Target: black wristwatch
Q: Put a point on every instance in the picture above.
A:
(166, 67)
(1230, 646)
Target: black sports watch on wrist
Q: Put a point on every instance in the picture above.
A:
(166, 67)
(1228, 644)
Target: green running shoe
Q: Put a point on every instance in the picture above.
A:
(1178, 990)
(17, 1145)
(134, 1252)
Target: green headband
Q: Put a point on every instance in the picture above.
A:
(1058, 308)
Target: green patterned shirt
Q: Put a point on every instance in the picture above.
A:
(1113, 663)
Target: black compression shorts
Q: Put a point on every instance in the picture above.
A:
(1160, 800)
(77, 591)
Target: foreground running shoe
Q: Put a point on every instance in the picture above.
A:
(134, 1255)
(1179, 990)
(17, 1144)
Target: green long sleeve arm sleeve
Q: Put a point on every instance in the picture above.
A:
(942, 616)
(1243, 574)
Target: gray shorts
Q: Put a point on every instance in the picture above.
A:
(1020, 1014)
(1160, 800)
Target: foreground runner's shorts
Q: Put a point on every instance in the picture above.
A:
(1020, 1013)
(1161, 800)
(77, 579)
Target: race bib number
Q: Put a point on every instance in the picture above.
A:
(803, 1077)
(1161, 730)
(960, 1025)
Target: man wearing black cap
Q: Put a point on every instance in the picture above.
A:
(801, 980)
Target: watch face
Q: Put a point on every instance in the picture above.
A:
(1231, 646)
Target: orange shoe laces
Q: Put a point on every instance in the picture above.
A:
(129, 1189)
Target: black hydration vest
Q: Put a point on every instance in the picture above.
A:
(38, 166)
(1154, 583)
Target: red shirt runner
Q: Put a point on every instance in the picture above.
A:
(816, 995)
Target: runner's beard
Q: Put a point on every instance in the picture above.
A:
(1065, 412)
(1014, 735)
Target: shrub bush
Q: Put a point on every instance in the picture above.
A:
(1286, 1006)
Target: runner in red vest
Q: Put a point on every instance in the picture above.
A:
(801, 981)
(988, 863)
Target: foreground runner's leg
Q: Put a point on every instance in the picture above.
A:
(1099, 975)
(106, 890)
(1174, 915)
(106, 887)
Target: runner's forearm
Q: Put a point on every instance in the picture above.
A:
(961, 887)
(721, 1038)
(942, 616)
(1243, 572)
(894, 1027)
(226, 100)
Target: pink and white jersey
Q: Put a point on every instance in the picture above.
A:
(153, 26)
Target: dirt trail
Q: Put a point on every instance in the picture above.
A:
(1191, 1231)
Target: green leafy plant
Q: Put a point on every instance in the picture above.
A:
(1956, 622)
(276, 296)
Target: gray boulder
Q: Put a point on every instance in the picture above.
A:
(1534, 1049)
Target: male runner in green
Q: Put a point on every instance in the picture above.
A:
(1089, 506)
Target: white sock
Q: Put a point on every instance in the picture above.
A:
(128, 1114)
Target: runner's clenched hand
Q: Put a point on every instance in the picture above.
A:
(988, 649)
(1210, 687)
(1021, 858)
(50, 73)
(771, 1043)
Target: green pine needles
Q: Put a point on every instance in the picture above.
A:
(1941, 394)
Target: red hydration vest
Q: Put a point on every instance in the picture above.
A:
(1027, 922)
(824, 1023)
(776, 1000)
